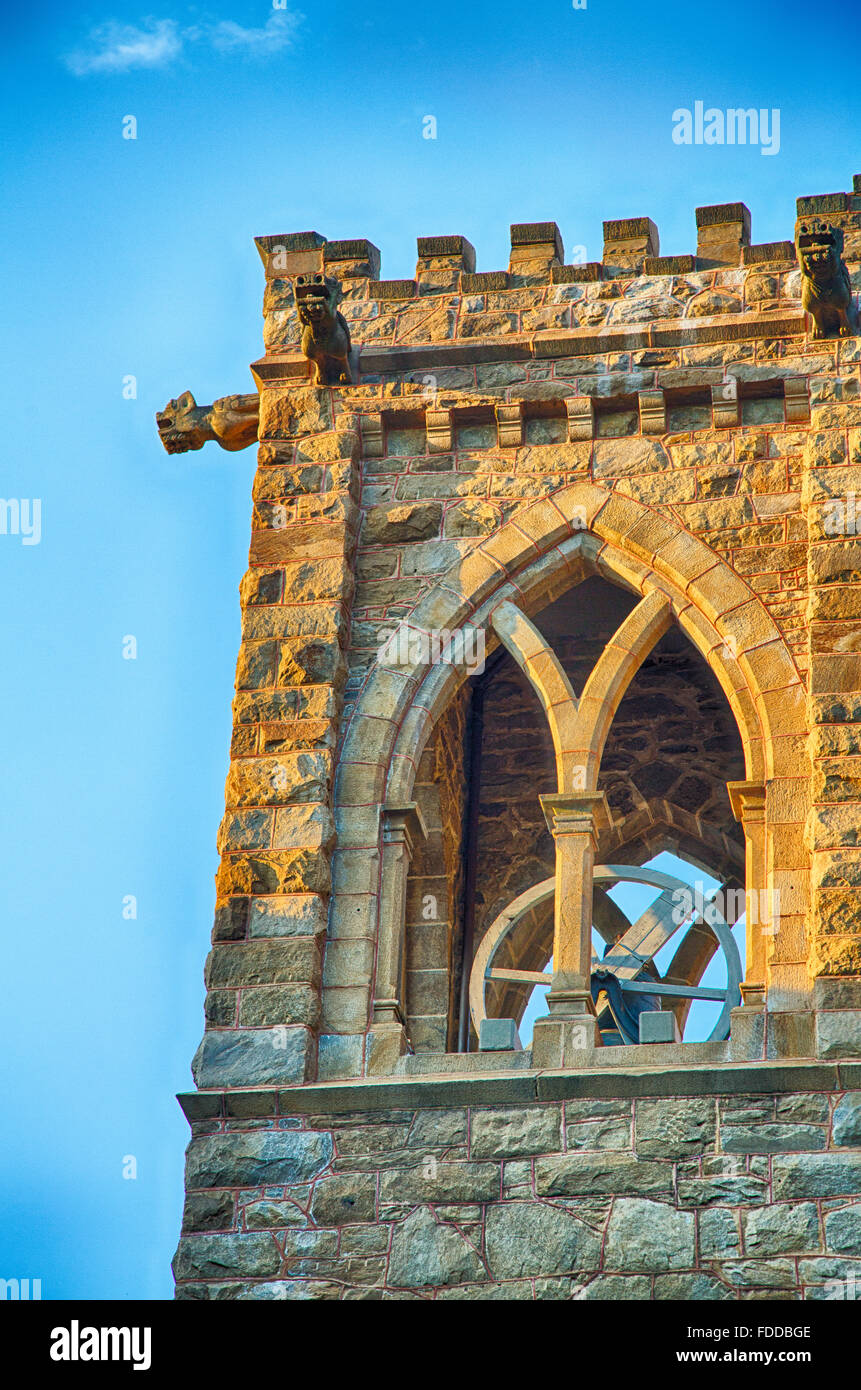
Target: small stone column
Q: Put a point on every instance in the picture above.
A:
(748, 806)
(569, 1032)
(403, 827)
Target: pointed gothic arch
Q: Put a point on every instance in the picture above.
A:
(548, 547)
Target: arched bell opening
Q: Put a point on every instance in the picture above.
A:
(671, 748)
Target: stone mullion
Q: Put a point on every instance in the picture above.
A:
(403, 829)
(276, 837)
(748, 804)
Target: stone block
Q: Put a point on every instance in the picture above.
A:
(600, 1134)
(838, 1033)
(645, 1235)
(252, 1056)
(512, 1131)
(782, 1229)
(790, 1034)
(771, 1138)
(816, 1175)
(719, 1235)
(843, 1230)
(439, 1128)
(282, 961)
(339, 1055)
(846, 1122)
(659, 1026)
(273, 1215)
(691, 1288)
(428, 1252)
(627, 243)
(499, 1035)
(257, 1157)
(441, 1182)
(675, 1128)
(345, 1199)
(722, 1190)
(747, 1034)
(759, 1274)
(534, 1238)
(208, 1211)
(722, 231)
(226, 1256)
(607, 1174)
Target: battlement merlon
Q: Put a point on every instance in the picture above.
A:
(723, 236)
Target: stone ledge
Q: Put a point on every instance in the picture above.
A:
(513, 1088)
(577, 343)
(426, 1064)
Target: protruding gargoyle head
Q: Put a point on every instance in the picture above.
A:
(316, 299)
(181, 425)
(819, 247)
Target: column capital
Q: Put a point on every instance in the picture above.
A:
(747, 800)
(571, 813)
(404, 824)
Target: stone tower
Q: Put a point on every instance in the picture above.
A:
(552, 568)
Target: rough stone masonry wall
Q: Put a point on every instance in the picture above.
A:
(739, 1196)
(265, 971)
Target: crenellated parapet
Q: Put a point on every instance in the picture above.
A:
(634, 298)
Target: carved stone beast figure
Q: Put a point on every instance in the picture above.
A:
(325, 334)
(826, 293)
(231, 421)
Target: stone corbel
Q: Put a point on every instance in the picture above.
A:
(581, 417)
(439, 431)
(726, 406)
(653, 412)
(509, 425)
(232, 422)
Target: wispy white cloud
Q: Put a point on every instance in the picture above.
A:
(155, 43)
(114, 47)
(275, 34)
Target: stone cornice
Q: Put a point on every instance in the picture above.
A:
(419, 1092)
(381, 360)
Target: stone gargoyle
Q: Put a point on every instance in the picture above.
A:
(325, 333)
(826, 293)
(231, 422)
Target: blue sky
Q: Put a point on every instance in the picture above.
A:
(135, 258)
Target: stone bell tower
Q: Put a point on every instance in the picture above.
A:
(552, 569)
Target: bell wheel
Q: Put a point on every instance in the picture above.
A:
(626, 980)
